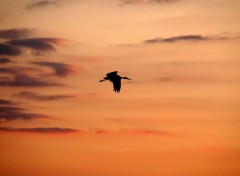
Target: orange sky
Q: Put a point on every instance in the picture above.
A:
(179, 116)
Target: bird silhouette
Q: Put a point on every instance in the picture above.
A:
(115, 79)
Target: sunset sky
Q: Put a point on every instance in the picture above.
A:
(178, 116)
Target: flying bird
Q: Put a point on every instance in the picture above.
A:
(115, 79)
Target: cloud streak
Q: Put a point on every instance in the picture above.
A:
(133, 132)
(147, 132)
(18, 70)
(10, 113)
(15, 33)
(21, 80)
(60, 69)
(134, 2)
(6, 102)
(97, 131)
(42, 4)
(38, 97)
(193, 38)
(4, 60)
(42, 130)
(185, 79)
(38, 45)
(9, 50)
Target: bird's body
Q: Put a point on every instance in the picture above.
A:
(115, 79)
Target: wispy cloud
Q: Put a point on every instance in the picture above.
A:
(10, 50)
(147, 132)
(4, 60)
(182, 38)
(97, 131)
(10, 113)
(60, 69)
(37, 44)
(42, 4)
(43, 130)
(19, 70)
(6, 102)
(8, 70)
(15, 33)
(133, 2)
(161, 1)
(39, 97)
(132, 132)
(185, 79)
(21, 80)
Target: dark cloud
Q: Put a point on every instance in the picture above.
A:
(133, 2)
(147, 132)
(37, 44)
(10, 113)
(15, 33)
(7, 70)
(10, 50)
(163, 0)
(182, 38)
(20, 80)
(42, 4)
(132, 131)
(60, 69)
(48, 130)
(4, 78)
(38, 97)
(18, 70)
(6, 102)
(4, 60)
(185, 79)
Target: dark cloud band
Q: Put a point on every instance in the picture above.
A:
(15, 33)
(39, 97)
(6, 102)
(42, 4)
(133, 132)
(10, 113)
(20, 80)
(43, 130)
(60, 69)
(133, 2)
(10, 50)
(4, 60)
(38, 44)
(182, 38)
(19, 70)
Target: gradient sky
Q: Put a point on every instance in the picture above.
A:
(179, 116)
